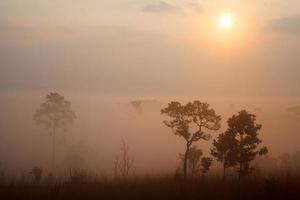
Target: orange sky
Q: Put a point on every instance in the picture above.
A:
(102, 54)
(135, 47)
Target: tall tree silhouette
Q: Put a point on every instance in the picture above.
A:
(54, 114)
(190, 121)
(225, 150)
(245, 131)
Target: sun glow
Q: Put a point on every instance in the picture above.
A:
(226, 21)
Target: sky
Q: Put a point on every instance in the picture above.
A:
(102, 54)
(146, 48)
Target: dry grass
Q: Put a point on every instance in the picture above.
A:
(163, 187)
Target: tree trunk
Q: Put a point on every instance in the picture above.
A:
(185, 161)
(53, 150)
(224, 172)
(241, 157)
(240, 171)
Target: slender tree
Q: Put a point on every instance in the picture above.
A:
(225, 150)
(245, 131)
(190, 121)
(124, 164)
(54, 114)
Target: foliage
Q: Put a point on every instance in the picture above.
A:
(206, 163)
(194, 158)
(189, 121)
(243, 138)
(55, 112)
(225, 150)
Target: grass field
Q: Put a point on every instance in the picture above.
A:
(160, 187)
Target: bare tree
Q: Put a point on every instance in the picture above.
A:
(184, 118)
(54, 114)
(123, 163)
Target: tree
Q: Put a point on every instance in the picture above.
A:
(54, 114)
(245, 131)
(189, 121)
(123, 166)
(225, 150)
(296, 159)
(193, 160)
(206, 162)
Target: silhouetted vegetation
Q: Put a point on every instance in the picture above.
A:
(54, 114)
(244, 129)
(154, 187)
(223, 151)
(194, 159)
(123, 164)
(184, 118)
(206, 163)
(237, 148)
(238, 145)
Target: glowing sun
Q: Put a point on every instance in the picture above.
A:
(226, 21)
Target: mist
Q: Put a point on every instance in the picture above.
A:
(103, 122)
(134, 97)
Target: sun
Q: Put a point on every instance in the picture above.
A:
(226, 21)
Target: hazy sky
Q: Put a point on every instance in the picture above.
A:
(151, 47)
(133, 49)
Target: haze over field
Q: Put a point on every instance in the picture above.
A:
(103, 122)
(102, 55)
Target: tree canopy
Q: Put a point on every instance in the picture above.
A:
(240, 143)
(191, 121)
(55, 112)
